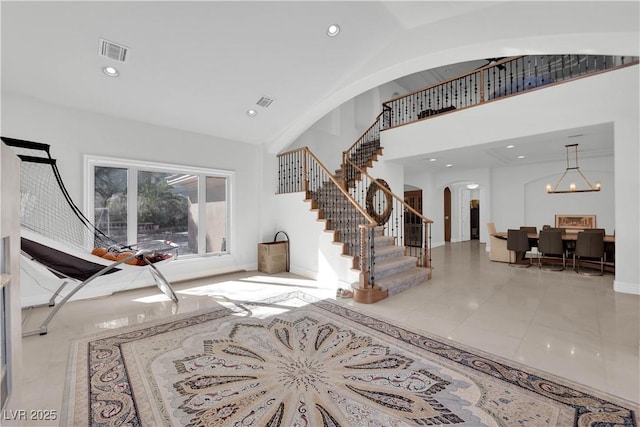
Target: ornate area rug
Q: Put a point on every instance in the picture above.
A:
(294, 360)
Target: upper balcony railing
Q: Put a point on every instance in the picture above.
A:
(504, 78)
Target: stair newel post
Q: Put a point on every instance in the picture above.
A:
(427, 243)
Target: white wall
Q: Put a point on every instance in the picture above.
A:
(10, 255)
(610, 97)
(520, 197)
(73, 133)
(433, 186)
(313, 253)
(340, 128)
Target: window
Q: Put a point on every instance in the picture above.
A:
(138, 201)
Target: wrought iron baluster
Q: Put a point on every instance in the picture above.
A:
(372, 256)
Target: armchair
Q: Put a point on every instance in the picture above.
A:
(497, 247)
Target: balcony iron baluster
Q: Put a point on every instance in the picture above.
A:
(298, 170)
(514, 76)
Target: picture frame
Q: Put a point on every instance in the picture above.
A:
(572, 223)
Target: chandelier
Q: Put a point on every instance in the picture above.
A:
(572, 184)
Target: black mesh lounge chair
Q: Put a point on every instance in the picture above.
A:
(57, 235)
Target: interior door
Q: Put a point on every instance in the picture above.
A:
(447, 214)
(475, 219)
(412, 222)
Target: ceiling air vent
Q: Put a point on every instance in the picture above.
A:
(113, 51)
(264, 101)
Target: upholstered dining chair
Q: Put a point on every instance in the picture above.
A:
(550, 245)
(518, 242)
(531, 230)
(590, 246)
(595, 230)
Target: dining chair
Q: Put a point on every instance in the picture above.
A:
(595, 230)
(590, 246)
(518, 242)
(531, 230)
(550, 246)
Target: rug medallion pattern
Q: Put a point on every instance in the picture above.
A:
(297, 361)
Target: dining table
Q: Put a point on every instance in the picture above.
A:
(569, 242)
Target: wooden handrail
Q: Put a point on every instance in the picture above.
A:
(392, 194)
(360, 209)
(444, 82)
(295, 150)
(550, 69)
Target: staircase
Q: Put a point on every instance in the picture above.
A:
(386, 266)
(388, 262)
(393, 271)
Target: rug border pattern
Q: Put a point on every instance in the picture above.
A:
(589, 409)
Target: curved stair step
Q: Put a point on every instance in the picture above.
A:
(387, 267)
(389, 251)
(404, 280)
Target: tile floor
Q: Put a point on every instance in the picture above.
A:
(560, 322)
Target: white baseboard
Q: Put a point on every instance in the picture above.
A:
(305, 272)
(627, 288)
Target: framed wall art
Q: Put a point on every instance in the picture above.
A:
(574, 223)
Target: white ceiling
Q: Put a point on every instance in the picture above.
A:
(593, 141)
(200, 65)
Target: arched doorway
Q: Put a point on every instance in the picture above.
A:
(447, 214)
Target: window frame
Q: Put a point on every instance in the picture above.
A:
(133, 166)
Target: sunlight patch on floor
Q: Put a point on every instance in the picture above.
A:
(289, 281)
(152, 299)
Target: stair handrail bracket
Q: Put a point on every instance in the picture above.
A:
(402, 217)
(300, 170)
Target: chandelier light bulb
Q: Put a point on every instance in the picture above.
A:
(573, 168)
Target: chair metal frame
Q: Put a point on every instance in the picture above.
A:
(541, 253)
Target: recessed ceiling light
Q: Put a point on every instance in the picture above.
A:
(432, 160)
(110, 71)
(251, 113)
(333, 30)
(510, 146)
(448, 165)
(521, 157)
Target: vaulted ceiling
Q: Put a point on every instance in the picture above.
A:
(200, 66)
